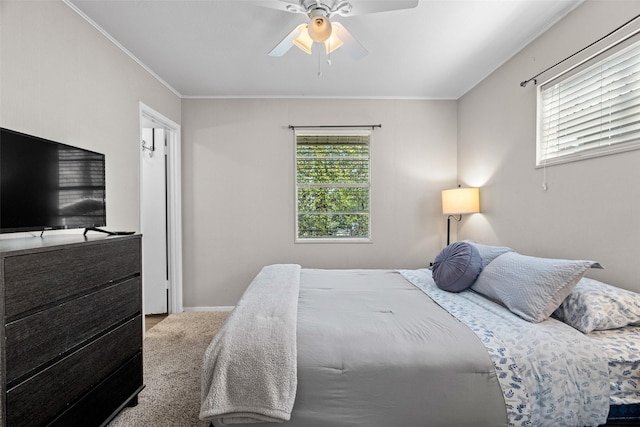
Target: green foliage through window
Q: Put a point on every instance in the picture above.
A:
(333, 190)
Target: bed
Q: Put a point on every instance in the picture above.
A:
(310, 347)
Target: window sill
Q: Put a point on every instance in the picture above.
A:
(334, 240)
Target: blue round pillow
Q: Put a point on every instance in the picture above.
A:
(456, 267)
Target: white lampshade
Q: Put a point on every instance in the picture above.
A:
(334, 41)
(319, 27)
(460, 201)
(303, 41)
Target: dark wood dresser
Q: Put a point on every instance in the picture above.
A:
(71, 335)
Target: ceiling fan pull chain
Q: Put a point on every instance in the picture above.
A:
(319, 64)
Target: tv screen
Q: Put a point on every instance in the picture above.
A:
(45, 185)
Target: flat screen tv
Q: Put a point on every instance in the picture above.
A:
(46, 185)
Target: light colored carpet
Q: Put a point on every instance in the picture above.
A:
(173, 351)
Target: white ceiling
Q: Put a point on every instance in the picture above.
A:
(218, 48)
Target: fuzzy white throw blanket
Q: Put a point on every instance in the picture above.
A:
(249, 372)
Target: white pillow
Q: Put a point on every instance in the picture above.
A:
(488, 253)
(597, 306)
(530, 287)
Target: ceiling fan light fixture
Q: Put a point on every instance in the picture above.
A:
(319, 27)
(303, 40)
(333, 42)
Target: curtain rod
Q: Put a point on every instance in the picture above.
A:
(336, 126)
(524, 83)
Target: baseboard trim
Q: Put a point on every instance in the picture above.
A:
(218, 308)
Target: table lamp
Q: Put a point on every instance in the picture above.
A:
(459, 201)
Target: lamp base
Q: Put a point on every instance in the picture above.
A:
(458, 218)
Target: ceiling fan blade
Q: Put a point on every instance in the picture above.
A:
(284, 5)
(352, 46)
(375, 6)
(286, 43)
(361, 7)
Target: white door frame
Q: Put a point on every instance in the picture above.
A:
(174, 202)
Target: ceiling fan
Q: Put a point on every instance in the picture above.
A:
(321, 29)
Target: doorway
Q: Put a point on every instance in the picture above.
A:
(160, 218)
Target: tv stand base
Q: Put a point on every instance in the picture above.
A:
(110, 233)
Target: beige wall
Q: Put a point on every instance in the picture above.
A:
(238, 188)
(61, 79)
(591, 208)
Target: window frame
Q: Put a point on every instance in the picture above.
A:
(330, 131)
(591, 150)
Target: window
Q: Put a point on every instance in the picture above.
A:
(333, 189)
(592, 111)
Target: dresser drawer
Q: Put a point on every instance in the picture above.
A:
(105, 400)
(43, 336)
(40, 398)
(38, 279)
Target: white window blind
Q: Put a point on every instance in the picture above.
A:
(332, 185)
(594, 111)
